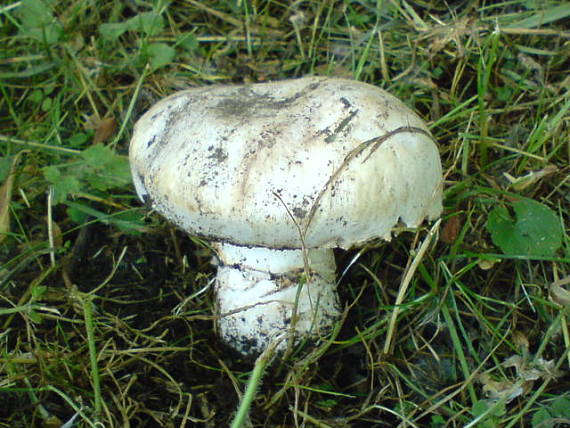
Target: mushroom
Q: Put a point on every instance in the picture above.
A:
(276, 175)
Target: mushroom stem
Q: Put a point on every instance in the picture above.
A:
(263, 293)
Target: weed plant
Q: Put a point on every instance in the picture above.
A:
(106, 309)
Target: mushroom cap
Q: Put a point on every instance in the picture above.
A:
(314, 162)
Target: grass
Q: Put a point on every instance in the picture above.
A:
(106, 310)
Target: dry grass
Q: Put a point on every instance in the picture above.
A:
(105, 310)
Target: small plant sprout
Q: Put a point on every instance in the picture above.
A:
(276, 175)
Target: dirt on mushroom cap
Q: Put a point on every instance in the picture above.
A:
(340, 160)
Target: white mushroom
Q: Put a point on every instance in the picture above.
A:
(278, 174)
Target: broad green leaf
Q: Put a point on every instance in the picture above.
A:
(63, 185)
(542, 418)
(118, 170)
(104, 169)
(187, 41)
(78, 139)
(38, 291)
(533, 231)
(35, 316)
(68, 185)
(560, 407)
(491, 411)
(52, 174)
(47, 104)
(34, 13)
(437, 421)
(49, 34)
(113, 30)
(36, 96)
(148, 23)
(159, 55)
(77, 215)
(38, 22)
(97, 155)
